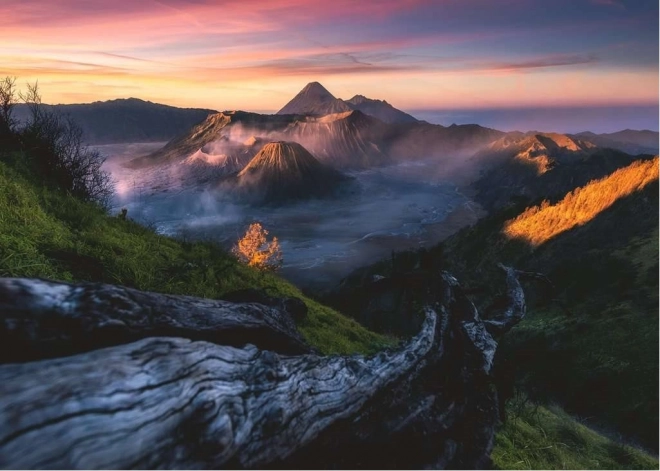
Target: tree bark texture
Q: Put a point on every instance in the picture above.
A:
(179, 397)
(41, 319)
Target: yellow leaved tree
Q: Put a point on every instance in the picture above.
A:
(255, 250)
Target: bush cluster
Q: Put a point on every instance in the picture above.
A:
(52, 145)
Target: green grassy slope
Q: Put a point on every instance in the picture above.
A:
(46, 234)
(537, 437)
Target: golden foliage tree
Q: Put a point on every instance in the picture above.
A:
(256, 251)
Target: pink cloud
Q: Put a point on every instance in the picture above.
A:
(166, 16)
(157, 48)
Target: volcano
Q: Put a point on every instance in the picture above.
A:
(284, 171)
(314, 99)
(342, 140)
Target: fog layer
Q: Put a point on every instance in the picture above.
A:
(393, 208)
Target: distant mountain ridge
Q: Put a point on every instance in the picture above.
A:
(130, 120)
(350, 135)
(126, 120)
(337, 132)
(380, 109)
(540, 151)
(314, 99)
(628, 140)
(347, 140)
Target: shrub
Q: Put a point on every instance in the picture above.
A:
(256, 251)
(8, 140)
(54, 147)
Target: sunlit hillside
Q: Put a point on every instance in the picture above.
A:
(540, 223)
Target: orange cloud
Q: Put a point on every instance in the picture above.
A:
(255, 54)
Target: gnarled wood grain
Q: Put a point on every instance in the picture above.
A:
(175, 403)
(45, 319)
(169, 402)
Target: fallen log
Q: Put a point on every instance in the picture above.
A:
(176, 403)
(45, 319)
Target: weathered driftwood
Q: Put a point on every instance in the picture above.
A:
(44, 319)
(177, 403)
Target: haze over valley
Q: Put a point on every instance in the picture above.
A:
(390, 208)
(400, 183)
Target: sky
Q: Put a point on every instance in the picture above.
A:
(416, 54)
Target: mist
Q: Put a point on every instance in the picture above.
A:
(399, 207)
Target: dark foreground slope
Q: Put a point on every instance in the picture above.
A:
(590, 341)
(595, 350)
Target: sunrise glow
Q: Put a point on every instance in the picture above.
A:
(255, 54)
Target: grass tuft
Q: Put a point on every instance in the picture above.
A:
(537, 437)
